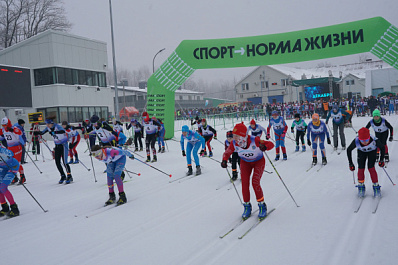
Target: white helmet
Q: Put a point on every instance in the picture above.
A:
(4, 121)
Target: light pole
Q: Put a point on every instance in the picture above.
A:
(114, 63)
(153, 61)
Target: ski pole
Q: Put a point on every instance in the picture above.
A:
(281, 179)
(153, 167)
(353, 176)
(91, 157)
(138, 174)
(80, 162)
(166, 146)
(33, 161)
(388, 176)
(354, 129)
(230, 178)
(45, 143)
(127, 173)
(15, 174)
(219, 142)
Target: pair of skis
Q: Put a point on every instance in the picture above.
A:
(100, 210)
(313, 165)
(250, 228)
(375, 206)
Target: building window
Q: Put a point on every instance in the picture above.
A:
(180, 97)
(285, 82)
(350, 82)
(59, 75)
(189, 97)
(240, 96)
(45, 76)
(245, 86)
(264, 84)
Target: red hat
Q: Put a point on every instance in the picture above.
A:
(146, 119)
(204, 120)
(240, 129)
(253, 122)
(363, 134)
(145, 113)
(154, 118)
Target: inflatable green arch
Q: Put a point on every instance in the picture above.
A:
(375, 35)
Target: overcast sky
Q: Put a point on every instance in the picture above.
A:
(144, 27)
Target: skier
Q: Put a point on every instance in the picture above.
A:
(20, 125)
(138, 133)
(115, 159)
(337, 116)
(117, 126)
(250, 149)
(161, 134)
(151, 127)
(317, 131)
(235, 157)
(105, 133)
(194, 142)
(89, 132)
(61, 147)
(207, 132)
(301, 128)
(280, 128)
(13, 136)
(366, 145)
(256, 129)
(35, 138)
(197, 122)
(381, 127)
(8, 170)
(74, 140)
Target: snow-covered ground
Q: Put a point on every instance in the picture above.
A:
(180, 222)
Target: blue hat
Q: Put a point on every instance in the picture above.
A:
(49, 121)
(133, 120)
(274, 113)
(185, 128)
(335, 107)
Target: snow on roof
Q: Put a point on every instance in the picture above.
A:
(356, 69)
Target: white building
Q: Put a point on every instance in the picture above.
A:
(68, 75)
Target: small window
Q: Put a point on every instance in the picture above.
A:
(352, 82)
(347, 82)
(198, 98)
(180, 97)
(245, 86)
(264, 84)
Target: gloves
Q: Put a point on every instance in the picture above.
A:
(308, 142)
(183, 153)
(230, 160)
(86, 136)
(202, 152)
(224, 164)
(292, 130)
(381, 164)
(283, 135)
(352, 167)
(328, 140)
(131, 157)
(268, 136)
(215, 137)
(52, 133)
(262, 147)
(327, 122)
(390, 139)
(11, 129)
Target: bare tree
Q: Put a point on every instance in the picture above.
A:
(22, 19)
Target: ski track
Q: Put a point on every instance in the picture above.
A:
(180, 223)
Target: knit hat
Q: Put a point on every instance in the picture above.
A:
(21, 121)
(376, 112)
(94, 119)
(297, 115)
(240, 129)
(252, 122)
(229, 134)
(185, 128)
(315, 116)
(49, 121)
(363, 134)
(274, 113)
(133, 120)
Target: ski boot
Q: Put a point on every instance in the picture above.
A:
(314, 161)
(22, 179)
(262, 210)
(324, 161)
(112, 199)
(284, 156)
(189, 171)
(160, 149)
(14, 211)
(15, 180)
(377, 156)
(205, 153)
(361, 189)
(335, 148)
(122, 199)
(70, 161)
(234, 175)
(141, 149)
(386, 158)
(376, 190)
(277, 157)
(297, 148)
(163, 150)
(136, 149)
(343, 148)
(303, 148)
(155, 159)
(198, 171)
(76, 160)
(63, 178)
(247, 211)
(122, 175)
(210, 154)
(4, 209)
(69, 179)
(148, 159)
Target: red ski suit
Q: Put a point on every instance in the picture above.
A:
(246, 168)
